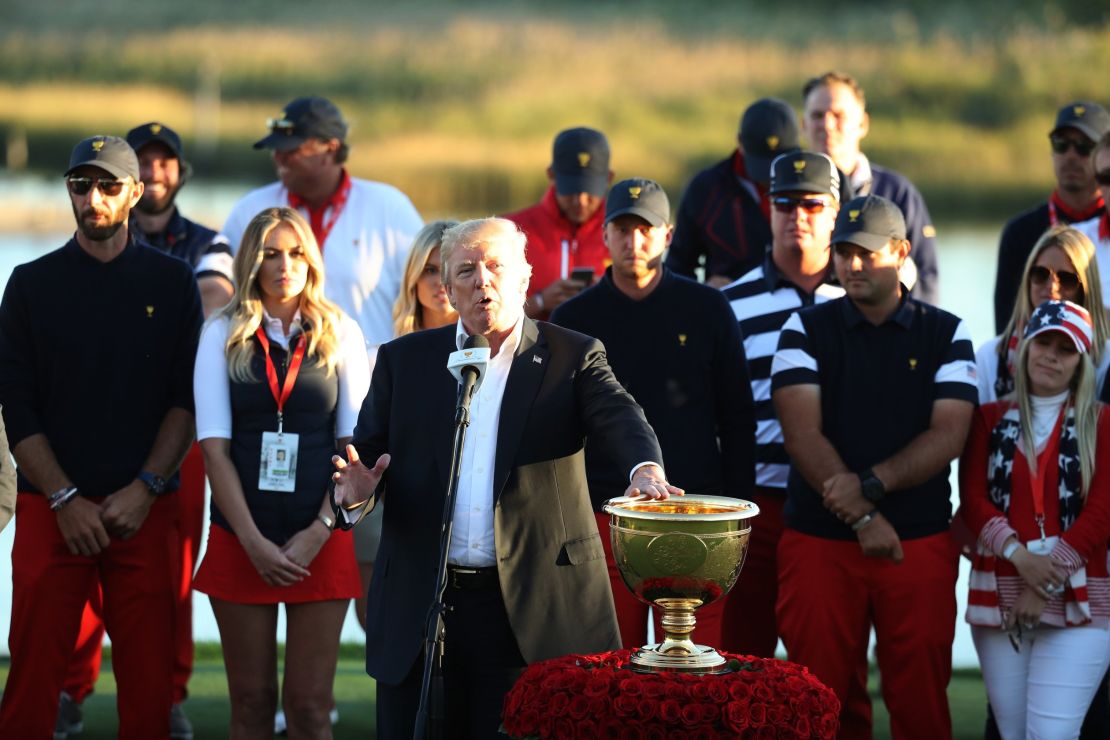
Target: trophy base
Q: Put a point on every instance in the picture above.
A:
(702, 661)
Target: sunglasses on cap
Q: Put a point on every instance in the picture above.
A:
(1042, 275)
(82, 185)
(1103, 178)
(783, 204)
(281, 126)
(1060, 145)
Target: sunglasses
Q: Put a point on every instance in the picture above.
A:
(788, 205)
(1060, 145)
(1103, 178)
(281, 126)
(1042, 275)
(82, 185)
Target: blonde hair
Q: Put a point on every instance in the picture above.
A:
(408, 315)
(1082, 397)
(319, 317)
(1081, 253)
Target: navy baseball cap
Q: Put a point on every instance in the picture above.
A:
(301, 120)
(638, 197)
(768, 128)
(870, 221)
(580, 161)
(805, 172)
(1090, 119)
(155, 132)
(110, 153)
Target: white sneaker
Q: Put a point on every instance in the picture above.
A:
(70, 719)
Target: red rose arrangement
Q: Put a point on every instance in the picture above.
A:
(594, 696)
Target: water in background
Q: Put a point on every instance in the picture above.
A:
(967, 262)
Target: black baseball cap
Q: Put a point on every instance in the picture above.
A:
(303, 119)
(580, 161)
(1090, 119)
(638, 197)
(805, 172)
(110, 153)
(870, 221)
(155, 132)
(767, 129)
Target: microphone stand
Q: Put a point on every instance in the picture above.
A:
(431, 717)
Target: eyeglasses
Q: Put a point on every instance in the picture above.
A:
(82, 185)
(1042, 275)
(1103, 178)
(809, 205)
(281, 126)
(1060, 145)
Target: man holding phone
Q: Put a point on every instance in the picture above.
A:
(695, 392)
(565, 247)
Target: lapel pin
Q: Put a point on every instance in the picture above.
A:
(537, 359)
(149, 311)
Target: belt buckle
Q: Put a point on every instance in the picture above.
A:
(455, 576)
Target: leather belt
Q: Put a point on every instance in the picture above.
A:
(472, 579)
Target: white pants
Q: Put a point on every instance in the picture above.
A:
(1044, 690)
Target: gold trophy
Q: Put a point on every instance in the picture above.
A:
(679, 554)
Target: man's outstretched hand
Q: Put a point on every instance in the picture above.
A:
(354, 482)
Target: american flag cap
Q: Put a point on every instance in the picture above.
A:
(1063, 316)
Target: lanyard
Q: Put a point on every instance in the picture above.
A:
(1050, 453)
(333, 207)
(271, 371)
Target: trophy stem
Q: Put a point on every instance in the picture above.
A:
(678, 652)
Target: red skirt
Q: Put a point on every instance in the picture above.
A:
(227, 573)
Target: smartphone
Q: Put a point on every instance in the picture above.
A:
(583, 275)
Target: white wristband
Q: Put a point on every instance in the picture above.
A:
(1009, 550)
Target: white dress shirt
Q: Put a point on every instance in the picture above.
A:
(472, 542)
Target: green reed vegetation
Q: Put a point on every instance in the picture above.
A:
(457, 103)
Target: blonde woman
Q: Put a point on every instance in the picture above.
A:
(421, 304)
(280, 376)
(1033, 490)
(1062, 266)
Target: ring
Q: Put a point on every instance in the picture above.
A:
(1051, 588)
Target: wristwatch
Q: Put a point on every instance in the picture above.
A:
(871, 487)
(154, 482)
(61, 497)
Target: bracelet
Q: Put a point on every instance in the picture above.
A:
(1009, 550)
(61, 497)
(327, 521)
(863, 521)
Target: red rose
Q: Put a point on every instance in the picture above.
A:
(631, 686)
(801, 727)
(512, 703)
(655, 732)
(709, 712)
(777, 715)
(765, 732)
(736, 716)
(625, 706)
(654, 689)
(632, 732)
(557, 705)
(647, 709)
(740, 690)
(597, 685)
(758, 714)
(528, 723)
(599, 706)
(670, 711)
(718, 692)
(691, 715)
(700, 691)
(588, 728)
(608, 727)
(763, 691)
(579, 707)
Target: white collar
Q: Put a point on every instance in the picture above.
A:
(508, 346)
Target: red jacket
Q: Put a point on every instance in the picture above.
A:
(548, 229)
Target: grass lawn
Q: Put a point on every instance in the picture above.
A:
(208, 706)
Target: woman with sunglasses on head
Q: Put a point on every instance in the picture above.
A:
(421, 304)
(1062, 266)
(280, 376)
(1033, 489)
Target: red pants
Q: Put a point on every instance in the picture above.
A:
(84, 668)
(748, 626)
(632, 613)
(50, 587)
(830, 596)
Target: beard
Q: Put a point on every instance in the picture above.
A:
(153, 207)
(97, 233)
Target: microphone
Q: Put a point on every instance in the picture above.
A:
(468, 365)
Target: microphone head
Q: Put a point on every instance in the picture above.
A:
(475, 341)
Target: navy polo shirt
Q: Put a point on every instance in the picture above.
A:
(878, 385)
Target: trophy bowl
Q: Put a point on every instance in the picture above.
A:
(679, 554)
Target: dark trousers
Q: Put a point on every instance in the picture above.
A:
(481, 663)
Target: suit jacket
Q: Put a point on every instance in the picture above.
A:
(549, 553)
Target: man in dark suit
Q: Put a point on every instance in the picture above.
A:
(527, 578)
